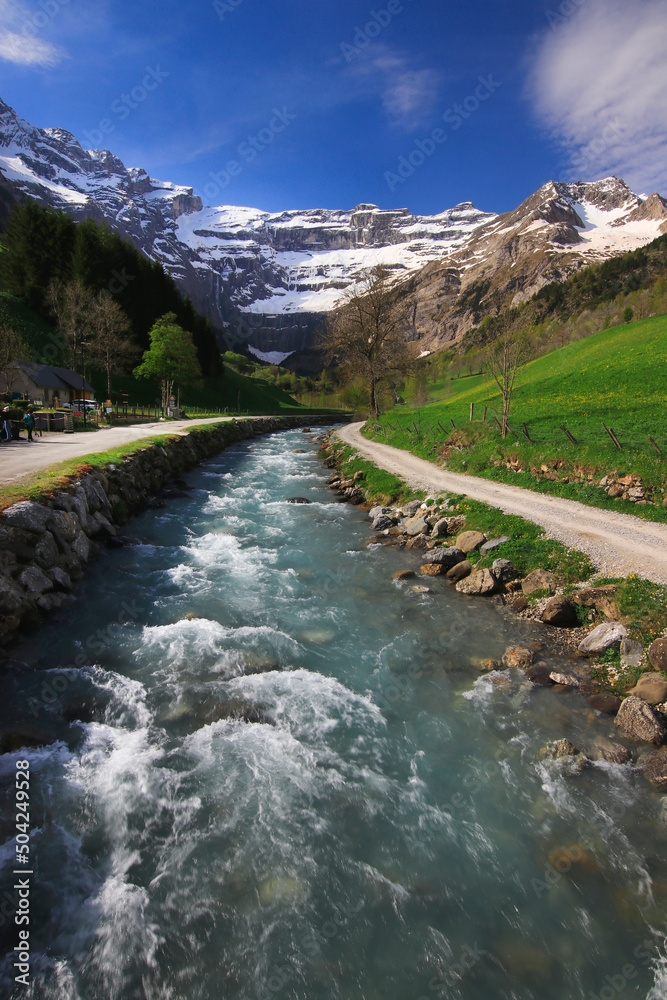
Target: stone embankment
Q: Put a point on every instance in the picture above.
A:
(44, 547)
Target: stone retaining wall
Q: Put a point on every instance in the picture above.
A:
(44, 546)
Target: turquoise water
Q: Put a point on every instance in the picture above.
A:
(290, 782)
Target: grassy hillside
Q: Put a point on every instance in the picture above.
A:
(618, 376)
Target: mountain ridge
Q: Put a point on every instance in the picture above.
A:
(267, 279)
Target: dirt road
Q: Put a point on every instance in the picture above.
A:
(618, 544)
(19, 458)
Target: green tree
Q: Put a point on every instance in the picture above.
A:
(171, 359)
(628, 314)
(12, 349)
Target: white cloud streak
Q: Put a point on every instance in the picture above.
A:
(408, 95)
(19, 41)
(599, 83)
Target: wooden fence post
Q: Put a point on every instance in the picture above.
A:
(610, 432)
(567, 434)
(472, 411)
(654, 445)
(484, 417)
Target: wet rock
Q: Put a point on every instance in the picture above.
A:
(478, 584)
(559, 750)
(421, 543)
(538, 581)
(460, 571)
(432, 569)
(559, 613)
(421, 590)
(657, 654)
(488, 665)
(493, 544)
(566, 680)
(446, 557)
(609, 704)
(81, 547)
(632, 654)
(376, 512)
(654, 767)
(605, 636)
(26, 737)
(87, 708)
(606, 749)
(34, 581)
(503, 570)
(637, 721)
(470, 541)
(540, 674)
(651, 688)
(382, 523)
(519, 604)
(518, 658)
(298, 500)
(404, 574)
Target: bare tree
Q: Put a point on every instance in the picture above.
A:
(366, 337)
(70, 307)
(12, 349)
(111, 348)
(506, 356)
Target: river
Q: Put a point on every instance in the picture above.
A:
(277, 774)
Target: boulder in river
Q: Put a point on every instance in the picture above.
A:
(657, 654)
(460, 571)
(404, 574)
(539, 581)
(478, 584)
(382, 523)
(559, 613)
(446, 557)
(607, 703)
(654, 766)
(606, 749)
(651, 688)
(518, 658)
(301, 500)
(637, 721)
(559, 750)
(604, 637)
(432, 569)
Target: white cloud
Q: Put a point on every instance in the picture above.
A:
(408, 95)
(599, 83)
(19, 37)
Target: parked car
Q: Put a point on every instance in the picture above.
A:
(79, 404)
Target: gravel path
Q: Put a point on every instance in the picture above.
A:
(20, 458)
(617, 544)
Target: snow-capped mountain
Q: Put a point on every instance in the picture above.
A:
(266, 279)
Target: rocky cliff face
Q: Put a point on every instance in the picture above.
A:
(557, 231)
(266, 280)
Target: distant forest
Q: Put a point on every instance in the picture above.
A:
(42, 246)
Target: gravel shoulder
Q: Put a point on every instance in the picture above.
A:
(617, 544)
(19, 458)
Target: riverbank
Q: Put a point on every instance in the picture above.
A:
(614, 632)
(74, 511)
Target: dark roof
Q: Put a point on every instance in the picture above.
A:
(49, 377)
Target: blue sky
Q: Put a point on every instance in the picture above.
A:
(299, 104)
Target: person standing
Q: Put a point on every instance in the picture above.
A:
(7, 422)
(29, 422)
